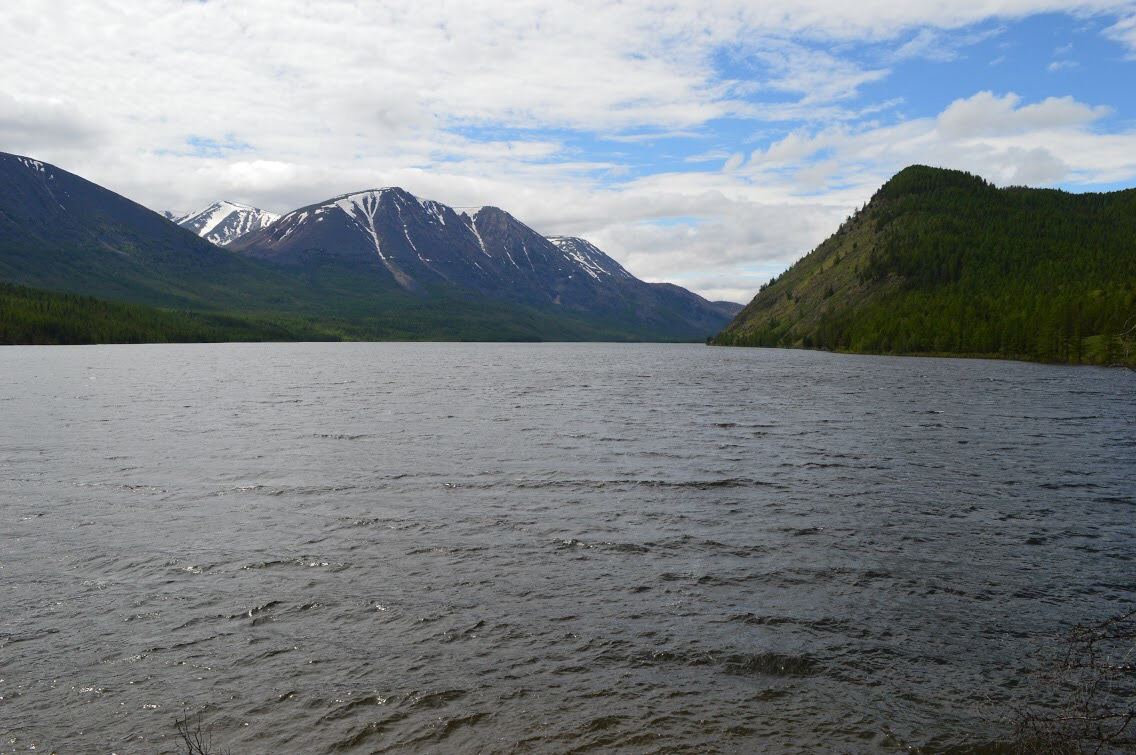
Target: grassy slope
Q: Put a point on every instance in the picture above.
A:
(939, 262)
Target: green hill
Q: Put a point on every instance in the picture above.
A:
(942, 262)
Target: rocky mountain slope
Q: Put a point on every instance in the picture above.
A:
(421, 246)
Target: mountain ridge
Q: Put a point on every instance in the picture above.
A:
(402, 241)
(465, 277)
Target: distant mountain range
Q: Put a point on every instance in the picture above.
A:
(379, 263)
(420, 246)
(943, 262)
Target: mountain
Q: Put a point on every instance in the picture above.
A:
(59, 231)
(397, 241)
(223, 222)
(62, 233)
(374, 266)
(943, 262)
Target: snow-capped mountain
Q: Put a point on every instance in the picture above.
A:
(589, 258)
(224, 222)
(413, 268)
(423, 246)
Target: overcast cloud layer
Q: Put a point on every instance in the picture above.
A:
(708, 143)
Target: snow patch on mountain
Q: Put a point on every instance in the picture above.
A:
(469, 216)
(361, 208)
(588, 257)
(437, 210)
(224, 222)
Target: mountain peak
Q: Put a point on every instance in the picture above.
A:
(365, 203)
(374, 193)
(223, 222)
(919, 179)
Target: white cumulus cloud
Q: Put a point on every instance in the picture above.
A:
(281, 104)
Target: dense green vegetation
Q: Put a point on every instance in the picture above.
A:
(225, 297)
(942, 262)
(36, 316)
(33, 316)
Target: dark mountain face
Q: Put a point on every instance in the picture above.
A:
(421, 246)
(400, 241)
(60, 231)
(531, 266)
(49, 207)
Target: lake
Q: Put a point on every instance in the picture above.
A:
(546, 547)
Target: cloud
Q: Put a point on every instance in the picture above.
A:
(1036, 166)
(552, 110)
(986, 114)
(928, 44)
(995, 136)
(939, 46)
(1124, 31)
(734, 162)
(793, 194)
(33, 123)
(808, 70)
(722, 246)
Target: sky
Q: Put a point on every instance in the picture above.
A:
(710, 143)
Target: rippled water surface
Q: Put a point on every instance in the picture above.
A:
(543, 548)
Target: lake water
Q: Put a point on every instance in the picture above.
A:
(543, 548)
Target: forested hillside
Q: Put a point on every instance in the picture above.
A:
(941, 261)
(34, 316)
(37, 316)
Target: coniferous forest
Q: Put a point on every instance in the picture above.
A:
(943, 262)
(39, 316)
(36, 316)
